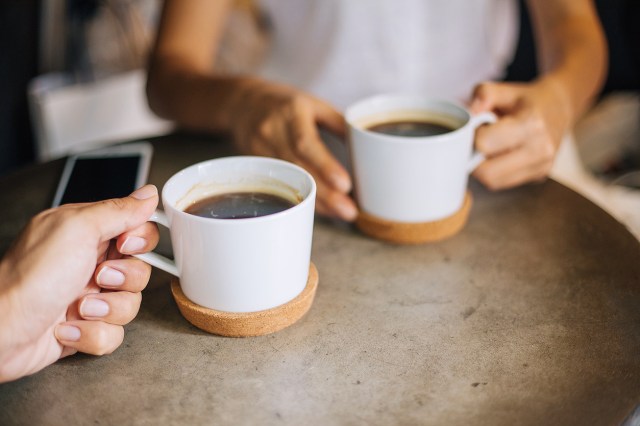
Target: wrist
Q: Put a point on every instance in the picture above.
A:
(560, 95)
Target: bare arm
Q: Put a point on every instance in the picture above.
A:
(571, 48)
(180, 84)
(264, 118)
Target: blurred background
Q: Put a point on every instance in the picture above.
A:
(72, 76)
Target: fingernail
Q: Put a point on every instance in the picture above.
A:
(110, 277)
(67, 333)
(145, 192)
(92, 307)
(341, 183)
(133, 245)
(347, 212)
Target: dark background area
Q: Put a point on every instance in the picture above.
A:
(19, 24)
(621, 21)
(19, 35)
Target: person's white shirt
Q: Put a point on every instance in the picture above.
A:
(345, 50)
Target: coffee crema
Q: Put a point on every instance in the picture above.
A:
(410, 128)
(239, 205)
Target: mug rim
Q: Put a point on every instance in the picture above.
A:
(384, 97)
(309, 198)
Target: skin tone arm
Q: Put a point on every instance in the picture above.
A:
(67, 284)
(534, 117)
(264, 118)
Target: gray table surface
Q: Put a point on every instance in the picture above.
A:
(530, 316)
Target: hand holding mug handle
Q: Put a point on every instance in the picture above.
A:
(155, 259)
(476, 121)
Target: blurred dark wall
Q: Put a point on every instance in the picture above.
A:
(19, 23)
(621, 21)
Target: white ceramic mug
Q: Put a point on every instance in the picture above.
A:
(238, 265)
(412, 179)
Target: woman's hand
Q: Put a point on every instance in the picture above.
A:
(68, 284)
(521, 146)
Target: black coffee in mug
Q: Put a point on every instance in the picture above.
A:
(239, 205)
(410, 128)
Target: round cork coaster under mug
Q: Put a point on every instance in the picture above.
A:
(415, 233)
(246, 324)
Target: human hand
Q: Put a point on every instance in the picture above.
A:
(67, 284)
(521, 146)
(278, 121)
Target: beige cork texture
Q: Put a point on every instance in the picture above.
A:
(415, 233)
(247, 324)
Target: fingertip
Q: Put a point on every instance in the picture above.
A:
(349, 214)
(66, 333)
(345, 209)
(109, 277)
(145, 192)
(133, 245)
(340, 181)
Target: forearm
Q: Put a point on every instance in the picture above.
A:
(196, 100)
(571, 50)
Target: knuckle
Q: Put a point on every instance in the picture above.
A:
(100, 341)
(482, 89)
(264, 128)
(116, 203)
(536, 124)
(298, 101)
(300, 146)
(547, 152)
(105, 342)
(144, 273)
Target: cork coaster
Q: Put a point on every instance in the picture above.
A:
(415, 233)
(245, 324)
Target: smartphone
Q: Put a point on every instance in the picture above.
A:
(111, 172)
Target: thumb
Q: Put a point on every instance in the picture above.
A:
(113, 217)
(491, 96)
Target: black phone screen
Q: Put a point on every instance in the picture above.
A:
(94, 179)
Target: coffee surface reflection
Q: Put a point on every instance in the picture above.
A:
(239, 205)
(410, 128)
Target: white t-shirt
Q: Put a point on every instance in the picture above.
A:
(344, 50)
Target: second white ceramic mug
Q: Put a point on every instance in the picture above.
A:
(238, 265)
(412, 179)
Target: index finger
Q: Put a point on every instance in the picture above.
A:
(505, 135)
(308, 145)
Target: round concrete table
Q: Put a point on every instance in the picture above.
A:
(530, 316)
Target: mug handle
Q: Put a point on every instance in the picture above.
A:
(477, 121)
(155, 259)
